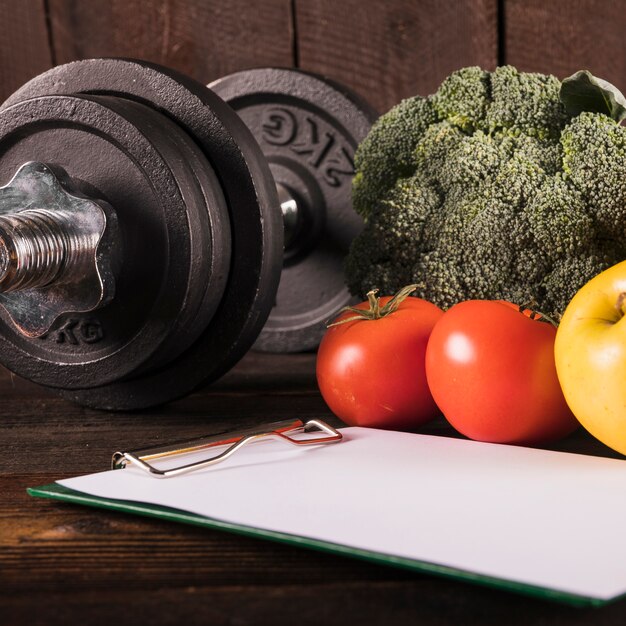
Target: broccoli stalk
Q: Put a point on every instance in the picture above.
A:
(501, 185)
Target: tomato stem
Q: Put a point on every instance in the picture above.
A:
(375, 311)
(537, 315)
(544, 317)
(374, 303)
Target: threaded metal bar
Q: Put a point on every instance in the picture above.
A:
(35, 247)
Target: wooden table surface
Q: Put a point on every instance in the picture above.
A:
(65, 564)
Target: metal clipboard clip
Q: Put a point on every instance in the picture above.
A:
(286, 431)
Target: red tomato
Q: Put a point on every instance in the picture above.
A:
(491, 370)
(371, 372)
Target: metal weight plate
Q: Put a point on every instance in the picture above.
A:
(175, 238)
(308, 128)
(245, 180)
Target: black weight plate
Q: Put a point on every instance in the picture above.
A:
(208, 226)
(308, 127)
(248, 188)
(170, 227)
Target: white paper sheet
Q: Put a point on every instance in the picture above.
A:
(549, 519)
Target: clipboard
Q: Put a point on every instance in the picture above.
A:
(360, 446)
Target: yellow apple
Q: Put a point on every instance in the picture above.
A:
(590, 352)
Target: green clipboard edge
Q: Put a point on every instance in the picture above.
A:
(55, 491)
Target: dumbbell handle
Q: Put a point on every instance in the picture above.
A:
(45, 251)
(289, 209)
(51, 258)
(36, 247)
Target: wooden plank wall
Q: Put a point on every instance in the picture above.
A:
(202, 38)
(386, 50)
(24, 45)
(563, 36)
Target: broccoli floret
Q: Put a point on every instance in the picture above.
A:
(559, 220)
(387, 152)
(489, 189)
(567, 276)
(526, 103)
(594, 160)
(463, 97)
(392, 228)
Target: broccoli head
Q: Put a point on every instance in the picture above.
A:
(490, 188)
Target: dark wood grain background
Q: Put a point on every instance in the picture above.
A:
(386, 50)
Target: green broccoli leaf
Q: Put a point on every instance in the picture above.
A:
(584, 92)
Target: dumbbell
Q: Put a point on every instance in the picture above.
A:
(142, 225)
